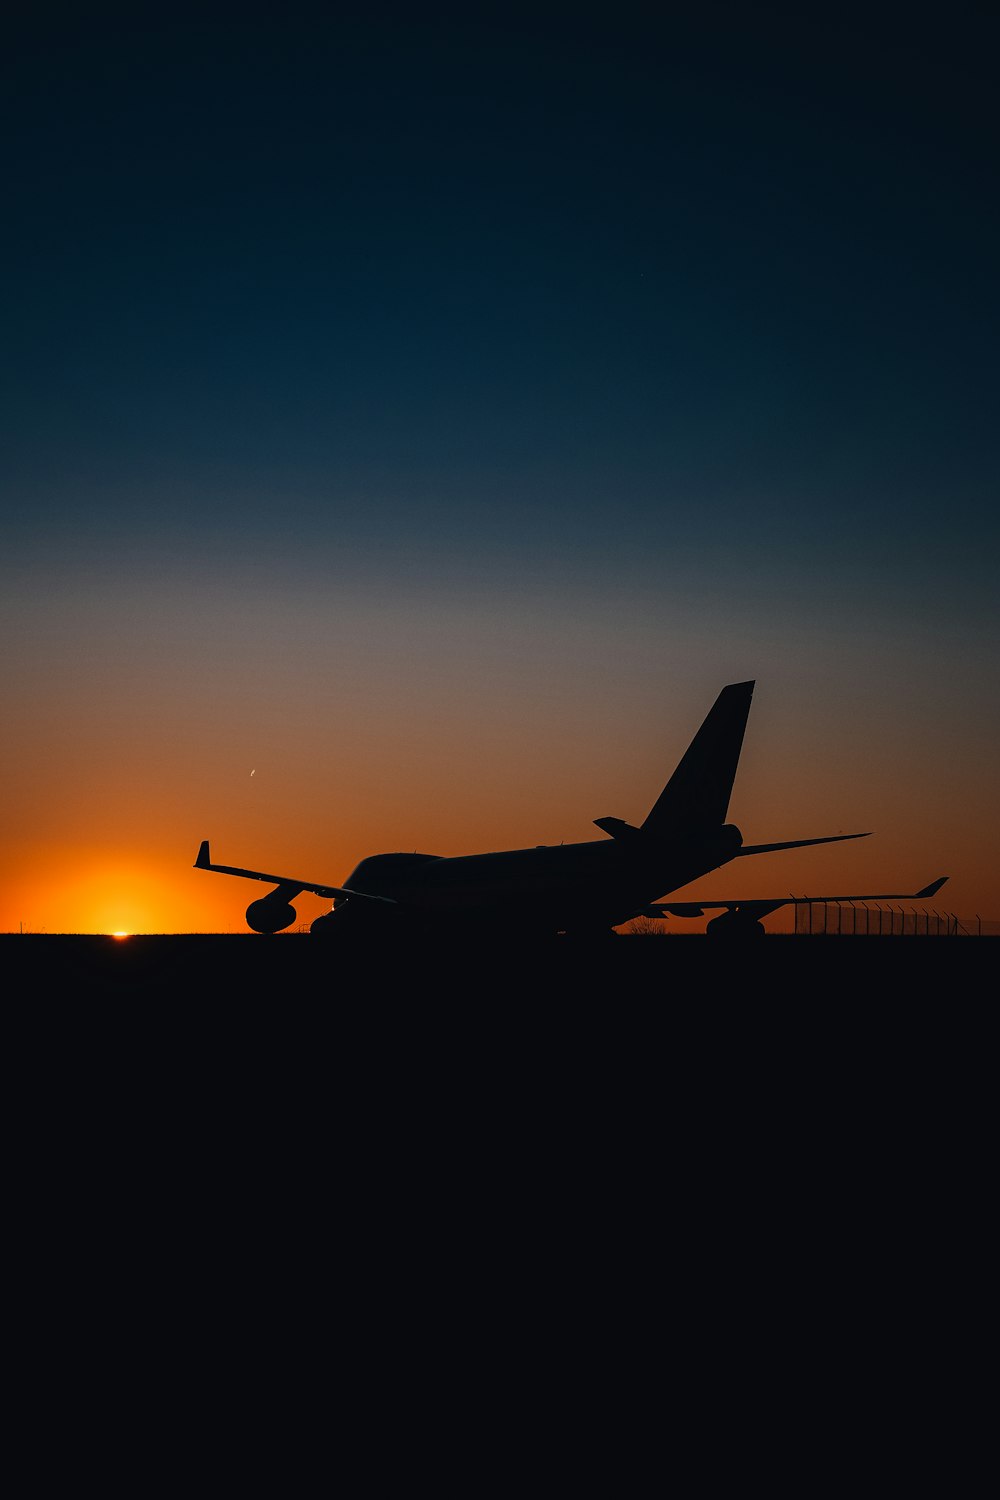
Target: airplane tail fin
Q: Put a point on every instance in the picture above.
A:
(698, 792)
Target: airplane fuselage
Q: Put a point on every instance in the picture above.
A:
(557, 886)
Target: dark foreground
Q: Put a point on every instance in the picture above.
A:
(298, 1036)
(673, 1059)
(617, 971)
(682, 1178)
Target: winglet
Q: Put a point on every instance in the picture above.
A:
(204, 860)
(932, 889)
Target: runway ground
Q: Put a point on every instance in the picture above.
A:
(618, 970)
(784, 1152)
(646, 1061)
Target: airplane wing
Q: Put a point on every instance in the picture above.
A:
(204, 862)
(757, 907)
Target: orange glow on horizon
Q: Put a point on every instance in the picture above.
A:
(114, 859)
(111, 893)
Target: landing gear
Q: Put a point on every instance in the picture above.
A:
(735, 925)
(345, 926)
(324, 927)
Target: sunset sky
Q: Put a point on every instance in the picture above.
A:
(429, 410)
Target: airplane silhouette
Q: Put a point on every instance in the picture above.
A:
(574, 889)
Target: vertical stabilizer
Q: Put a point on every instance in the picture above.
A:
(697, 794)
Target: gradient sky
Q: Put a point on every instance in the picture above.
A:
(429, 412)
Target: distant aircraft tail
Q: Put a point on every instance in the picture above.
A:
(697, 794)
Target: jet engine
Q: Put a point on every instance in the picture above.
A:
(274, 911)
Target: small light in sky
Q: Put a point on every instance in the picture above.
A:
(254, 771)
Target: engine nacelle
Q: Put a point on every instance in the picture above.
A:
(272, 913)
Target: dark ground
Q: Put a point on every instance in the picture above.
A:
(746, 1197)
(706, 1071)
(615, 971)
(678, 1029)
(658, 1024)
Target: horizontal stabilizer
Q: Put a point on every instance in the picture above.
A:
(833, 838)
(617, 828)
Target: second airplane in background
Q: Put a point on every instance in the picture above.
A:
(574, 889)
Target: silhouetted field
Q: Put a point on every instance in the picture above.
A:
(787, 1130)
(613, 970)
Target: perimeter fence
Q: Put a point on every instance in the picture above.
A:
(857, 919)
